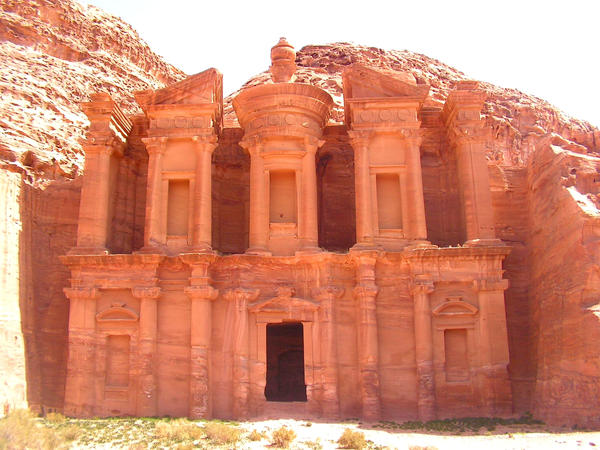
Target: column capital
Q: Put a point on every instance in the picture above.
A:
(82, 293)
(252, 145)
(145, 291)
(206, 292)
(155, 144)
(205, 142)
(242, 294)
(422, 284)
(490, 285)
(312, 144)
(360, 138)
(329, 292)
(468, 134)
(366, 291)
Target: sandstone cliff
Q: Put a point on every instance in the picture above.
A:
(543, 168)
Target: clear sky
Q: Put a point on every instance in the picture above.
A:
(549, 48)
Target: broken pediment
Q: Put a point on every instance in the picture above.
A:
(117, 313)
(197, 95)
(361, 82)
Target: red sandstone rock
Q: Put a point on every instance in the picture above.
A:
(542, 174)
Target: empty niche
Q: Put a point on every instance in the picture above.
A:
(457, 361)
(117, 361)
(282, 197)
(389, 208)
(177, 207)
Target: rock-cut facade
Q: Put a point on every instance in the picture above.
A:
(278, 265)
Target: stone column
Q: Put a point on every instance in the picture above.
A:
(364, 207)
(94, 223)
(201, 330)
(475, 185)
(368, 347)
(80, 398)
(259, 209)
(309, 227)
(153, 233)
(495, 390)
(147, 394)
(424, 350)
(416, 203)
(330, 397)
(241, 375)
(202, 228)
(468, 134)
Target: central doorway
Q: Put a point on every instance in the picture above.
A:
(285, 363)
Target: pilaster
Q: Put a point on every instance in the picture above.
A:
(80, 400)
(329, 376)
(202, 223)
(147, 395)
(309, 227)
(365, 294)
(422, 287)
(153, 234)
(364, 211)
(241, 372)
(468, 135)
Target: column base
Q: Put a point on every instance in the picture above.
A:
(204, 249)
(76, 251)
(365, 246)
(484, 243)
(151, 250)
(308, 251)
(258, 251)
(418, 244)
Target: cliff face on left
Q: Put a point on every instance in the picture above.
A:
(53, 55)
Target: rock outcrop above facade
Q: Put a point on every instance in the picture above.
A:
(53, 54)
(543, 189)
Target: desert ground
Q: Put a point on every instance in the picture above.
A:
(22, 429)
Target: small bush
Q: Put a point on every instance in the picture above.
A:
(221, 433)
(55, 417)
(352, 439)
(314, 445)
(19, 430)
(256, 435)
(70, 432)
(283, 437)
(178, 430)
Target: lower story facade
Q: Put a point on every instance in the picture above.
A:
(416, 334)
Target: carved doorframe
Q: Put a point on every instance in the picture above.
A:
(281, 309)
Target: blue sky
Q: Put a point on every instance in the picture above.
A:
(545, 48)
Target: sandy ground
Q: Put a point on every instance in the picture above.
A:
(517, 437)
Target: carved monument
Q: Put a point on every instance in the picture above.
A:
(211, 283)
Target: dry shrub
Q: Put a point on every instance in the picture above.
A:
(19, 430)
(178, 430)
(256, 435)
(221, 433)
(352, 439)
(70, 432)
(55, 417)
(283, 437)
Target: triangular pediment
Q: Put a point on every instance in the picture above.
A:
(204, 87)
(364, 82)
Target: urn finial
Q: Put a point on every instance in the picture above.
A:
(283, 61)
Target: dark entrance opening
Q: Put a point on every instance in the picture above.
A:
(285, 363)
